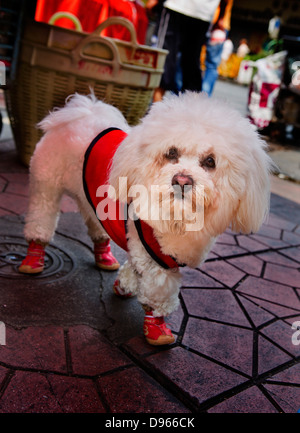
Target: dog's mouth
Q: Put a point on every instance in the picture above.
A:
(186, 200)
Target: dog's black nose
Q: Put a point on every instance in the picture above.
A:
(182, 180)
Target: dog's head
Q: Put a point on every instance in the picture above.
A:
(193, 160)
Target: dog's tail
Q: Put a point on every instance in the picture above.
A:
(77, 106)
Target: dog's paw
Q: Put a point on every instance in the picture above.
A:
(120, 292)
(156, 331)
(34, 260)
(104, 258)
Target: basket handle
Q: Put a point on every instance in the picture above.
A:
(79, 54)
(117, 20)
(68, 15)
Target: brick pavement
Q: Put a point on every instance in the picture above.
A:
(234, 350)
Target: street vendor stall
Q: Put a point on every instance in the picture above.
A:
(274, 93)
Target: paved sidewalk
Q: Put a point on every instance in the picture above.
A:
(72, 346)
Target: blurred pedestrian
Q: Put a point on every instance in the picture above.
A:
(227, 50)
(182, 29)
(243, 48)
(214, 47)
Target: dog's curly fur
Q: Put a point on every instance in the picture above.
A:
(175, 137)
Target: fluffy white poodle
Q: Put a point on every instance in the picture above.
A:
(163, 190)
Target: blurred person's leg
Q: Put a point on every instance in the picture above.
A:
(193, 37)
(212, 61)
(169, 39)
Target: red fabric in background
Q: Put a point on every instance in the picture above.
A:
(91, 13)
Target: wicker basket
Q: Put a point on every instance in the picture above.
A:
(56, 62)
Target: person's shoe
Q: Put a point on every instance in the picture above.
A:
(119, 291)
(35, 259)
(104, 258)
(156, 331)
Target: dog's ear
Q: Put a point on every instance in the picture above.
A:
(254, 203)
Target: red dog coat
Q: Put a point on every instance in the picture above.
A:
(96, 168)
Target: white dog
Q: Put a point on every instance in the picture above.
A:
(190, 169)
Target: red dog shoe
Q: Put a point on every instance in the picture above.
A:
(34, 260)
(156, 331)
(104, 258)
(119, 291)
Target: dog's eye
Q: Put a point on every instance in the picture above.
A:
(172, 154)
(208, 162)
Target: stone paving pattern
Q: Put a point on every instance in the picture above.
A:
(71, 346)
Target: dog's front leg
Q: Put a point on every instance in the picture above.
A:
(127, 283)
(157, 289)
(158, 294)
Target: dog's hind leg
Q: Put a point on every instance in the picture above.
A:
(104, 258)
(40, 223)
